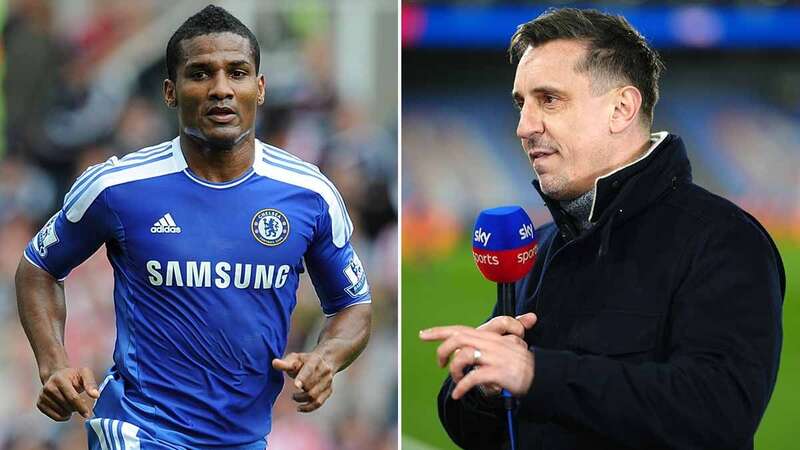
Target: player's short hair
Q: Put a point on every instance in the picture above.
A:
(211, 19)
(616, 52)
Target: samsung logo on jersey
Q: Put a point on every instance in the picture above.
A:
(223, 275)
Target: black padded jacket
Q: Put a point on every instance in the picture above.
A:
(659, 327)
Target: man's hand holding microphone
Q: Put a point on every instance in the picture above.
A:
(496, 350)
(504, 247)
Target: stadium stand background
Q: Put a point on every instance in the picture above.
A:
(82, 82)
(731, 90)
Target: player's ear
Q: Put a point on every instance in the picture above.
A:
(627, 103)
(169, 93)
(262, 89)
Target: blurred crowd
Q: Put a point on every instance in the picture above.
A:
(71, 102)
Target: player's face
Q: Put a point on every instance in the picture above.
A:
(217, 89)
(562, 124)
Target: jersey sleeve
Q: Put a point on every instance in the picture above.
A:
(336, 272)
(64, 243)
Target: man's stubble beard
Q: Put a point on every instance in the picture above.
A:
(560, 187)
(554, 186)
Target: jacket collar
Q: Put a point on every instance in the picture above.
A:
(629, 189)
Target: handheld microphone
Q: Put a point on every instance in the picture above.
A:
(504, 247)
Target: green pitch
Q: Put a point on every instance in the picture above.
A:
(450, 290)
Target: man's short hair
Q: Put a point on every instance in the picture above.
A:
(616, 52)
(212, 19)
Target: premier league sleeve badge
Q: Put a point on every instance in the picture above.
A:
(46, 237)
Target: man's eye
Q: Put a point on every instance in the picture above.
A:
(239, 73)
(199, 75)
(549, 99)
(518, 105)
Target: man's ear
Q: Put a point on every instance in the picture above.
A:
(169, 93)
(262, 88)
(627, 107)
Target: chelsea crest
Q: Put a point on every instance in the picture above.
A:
(270, 227)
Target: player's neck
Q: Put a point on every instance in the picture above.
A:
(218, 166)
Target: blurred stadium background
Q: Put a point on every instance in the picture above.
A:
(731, 90)
(82, 81)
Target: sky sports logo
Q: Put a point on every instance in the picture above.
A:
(521, 257)
(482, 237)
(526, 232)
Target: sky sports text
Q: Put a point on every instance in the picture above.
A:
(525, 232)
(493, 260)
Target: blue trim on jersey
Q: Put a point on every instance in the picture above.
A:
(97, 167)
(86, 175)
(215, 184)
(118, 433)
(291, 159)
(138, 156)
(83, 179)
(348, 230)
(304, 169)
(112, 170)
(149, 150)
(129, 157)
(284, 152)
(139, 439)
(106, 433)
(110, 435)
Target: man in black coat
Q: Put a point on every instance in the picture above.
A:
(652, 317)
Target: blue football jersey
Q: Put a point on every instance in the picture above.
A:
(205, 281)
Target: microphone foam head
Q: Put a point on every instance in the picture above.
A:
(504, 243)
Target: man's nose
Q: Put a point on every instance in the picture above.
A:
(221, 87)
(530, 122)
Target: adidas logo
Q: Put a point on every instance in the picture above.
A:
(165, 225)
